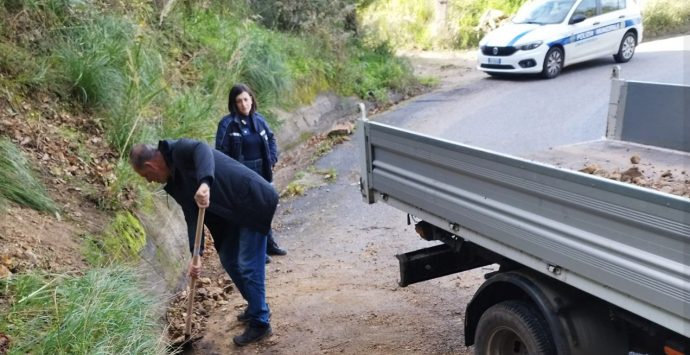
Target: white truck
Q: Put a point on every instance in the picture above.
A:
(588, 265)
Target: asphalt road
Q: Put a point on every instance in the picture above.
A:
(526, 114)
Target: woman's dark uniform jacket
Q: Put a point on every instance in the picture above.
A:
(229, 141)
(238, 195)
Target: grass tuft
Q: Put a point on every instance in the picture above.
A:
(17, 181)
(104, 311)
(294, 188)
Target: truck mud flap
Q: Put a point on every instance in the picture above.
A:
(440, 260)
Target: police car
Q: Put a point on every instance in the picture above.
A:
(546, 35)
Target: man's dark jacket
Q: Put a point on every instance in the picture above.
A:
(238, 195)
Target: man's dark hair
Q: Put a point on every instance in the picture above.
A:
(141, 153)
(235, 92)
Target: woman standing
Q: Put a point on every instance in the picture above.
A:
(245, 136)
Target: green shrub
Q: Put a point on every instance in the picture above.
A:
(401, 23)
(413, 24)
(104, 311)
(311, 65)
(301, 15)
(464, 15)
(372, 72)
(17, 181)
(666, 16)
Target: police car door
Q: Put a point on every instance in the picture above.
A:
(612, 25)
(583, 42)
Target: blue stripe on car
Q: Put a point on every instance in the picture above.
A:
(518, 37)
(632, 22)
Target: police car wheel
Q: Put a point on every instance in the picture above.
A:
(626, 48)
(553, 63)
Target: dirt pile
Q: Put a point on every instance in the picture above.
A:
(213, 290)
(210, 294)
(676, 182)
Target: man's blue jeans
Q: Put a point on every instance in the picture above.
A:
(242, 252)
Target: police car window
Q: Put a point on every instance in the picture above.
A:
(587, 8)
(612, 5)
(543, 11)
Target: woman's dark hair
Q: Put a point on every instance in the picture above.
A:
(235, 92)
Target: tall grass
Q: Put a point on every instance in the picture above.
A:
(90, 58)
(18, 182)
(265, 68)
(238, 51)
(128, 122)
(104, 311)
(190, 113)
(109, 66)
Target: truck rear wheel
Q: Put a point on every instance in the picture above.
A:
(513, 327)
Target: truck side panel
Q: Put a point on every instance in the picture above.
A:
(625, 244)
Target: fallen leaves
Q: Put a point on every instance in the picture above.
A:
(68, 148)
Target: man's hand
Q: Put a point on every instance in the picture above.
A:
(203, 196)
(194, 270)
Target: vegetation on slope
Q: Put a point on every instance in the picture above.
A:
(83, 75)
(421, 24)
